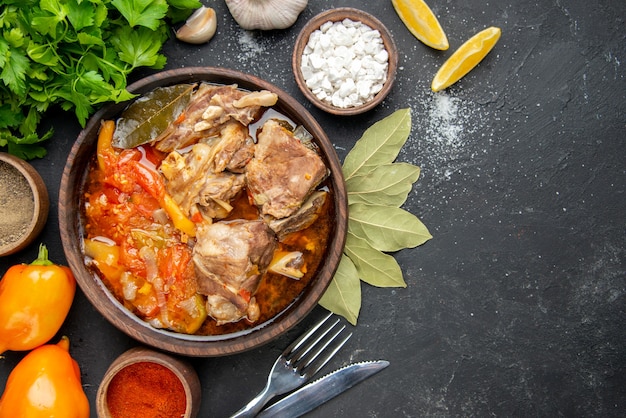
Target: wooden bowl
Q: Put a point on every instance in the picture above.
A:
(70, 222)
(183, 370)
(17, 237)
(338, 15)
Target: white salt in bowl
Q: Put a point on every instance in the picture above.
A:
(339, 15)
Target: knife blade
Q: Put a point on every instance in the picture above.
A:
(313, 394)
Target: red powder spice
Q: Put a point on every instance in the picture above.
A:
(146, 389)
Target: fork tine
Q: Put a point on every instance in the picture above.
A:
(303, 352)
(313, 364)
(297, 364)
(302, 339)
(305, 356)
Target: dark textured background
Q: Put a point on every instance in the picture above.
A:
(516, 306)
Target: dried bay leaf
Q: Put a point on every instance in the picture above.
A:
(380, 144)
(377, 187)
(373, 267)
(387, 184)
(387, 228)
(343, 295)
(148, 116)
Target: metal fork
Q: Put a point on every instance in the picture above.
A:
(298, 363)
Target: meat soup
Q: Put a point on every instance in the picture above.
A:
(217, 221)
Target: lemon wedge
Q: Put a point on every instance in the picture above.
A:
(421, 22)
(465, 58)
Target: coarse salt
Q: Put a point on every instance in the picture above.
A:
(345, 63)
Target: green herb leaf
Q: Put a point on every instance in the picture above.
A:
(75, 54)
(387, 228)
(46, 25)
(387, 184)
(138, 48)
(184, 4)
(373, 267)
(8, 117)
(181, 9)
(43, 54)
(146, 13)
(14, 71)
(24, 147)
(343, 295)
(55, 7)
(81, 14)
(93, 85)
(380, 144)
(87, 39)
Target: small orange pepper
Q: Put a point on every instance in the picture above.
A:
(104, 149)
(34, 302)
(45, 383)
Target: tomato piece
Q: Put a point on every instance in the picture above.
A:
(173, 262)
(129, 257)
(149, 180)
(152, 155)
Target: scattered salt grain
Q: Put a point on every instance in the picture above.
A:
(345, 63)
(446, 125)
(250, 47)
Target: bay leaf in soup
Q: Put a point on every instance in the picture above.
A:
(373, 267)
(380, 144)
(343, 296)
(148, 116)
(386, 228)
(387, 184)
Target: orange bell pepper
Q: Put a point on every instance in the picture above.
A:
(45, 383)
(34, 302)
(104, 149)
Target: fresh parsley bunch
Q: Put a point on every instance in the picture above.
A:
(76, 54)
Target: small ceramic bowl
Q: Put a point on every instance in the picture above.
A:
(338, 15)
(123, 372)
(21, 187)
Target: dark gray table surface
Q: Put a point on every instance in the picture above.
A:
(516, 306)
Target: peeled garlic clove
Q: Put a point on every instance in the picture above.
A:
(266, 14)
(199, 27)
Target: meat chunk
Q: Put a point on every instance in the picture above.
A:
(302, 218)
(283, 172)
(241, 157)
(232, 149)
(195, 187)
(230, 259)
(209, 108)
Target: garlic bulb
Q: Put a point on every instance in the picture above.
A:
(266, 14)
(199, 27)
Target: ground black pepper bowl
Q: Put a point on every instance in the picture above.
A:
(26, 202)
(70, 221)
(338, 15)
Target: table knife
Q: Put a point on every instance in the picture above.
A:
(313, 394)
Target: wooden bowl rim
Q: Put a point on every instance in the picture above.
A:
(183, 370)
(336, 15)
(102, 299)
(41, 203)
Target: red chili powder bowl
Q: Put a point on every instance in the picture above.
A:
(146, 383)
